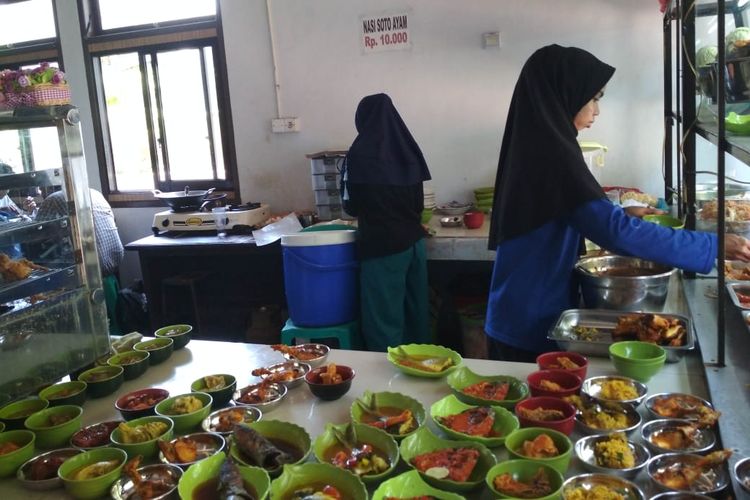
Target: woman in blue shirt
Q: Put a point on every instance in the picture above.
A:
(546, 200)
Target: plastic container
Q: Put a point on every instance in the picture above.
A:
(593, 153)
(320, 277)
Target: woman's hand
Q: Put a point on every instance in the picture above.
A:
(736, 248)
(641, 211)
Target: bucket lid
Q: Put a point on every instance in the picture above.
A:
(318, 238)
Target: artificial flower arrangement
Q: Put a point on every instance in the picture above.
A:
(41, 86)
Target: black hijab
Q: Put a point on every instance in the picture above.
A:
(384, 152)
(541, 174)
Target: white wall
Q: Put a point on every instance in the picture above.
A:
(452, 93)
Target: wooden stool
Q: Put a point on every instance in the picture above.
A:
(190, 281)
(347, 335)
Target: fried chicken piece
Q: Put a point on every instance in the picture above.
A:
(541, 446)
(19, 269)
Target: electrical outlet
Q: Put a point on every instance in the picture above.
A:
(282, 125)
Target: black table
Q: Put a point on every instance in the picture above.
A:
(231, 276)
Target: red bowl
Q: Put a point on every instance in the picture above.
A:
(564, 425)
(122, 403)
(329, 392)
(548, 361)
(570, 383)
(474, 220)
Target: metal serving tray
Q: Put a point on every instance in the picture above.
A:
(605, 320)
(742, 287)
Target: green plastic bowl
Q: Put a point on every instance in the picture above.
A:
(424, 441)
(739, 124)
(524, 471)
(295, 477)
(292, 435)
(209, 468)
(665, 220)
(134, 363)
(160, 349)
(366, 434)
(189, 421)
(148, 449)
(2, 427)
(14, 414)
(179, 333)
(411, 485)
(65, 393)
(484, 190)
(105, 386)
(464, 377)
(98, 486)
(560, 463)
(394, 400)
(431, 350)
(49, 435)
(637, 360)
(10, 462)
(220, 396)
(426, 215)
(505, 422)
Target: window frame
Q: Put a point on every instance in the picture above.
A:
(193, 33)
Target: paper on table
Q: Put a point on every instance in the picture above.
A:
(272, 232)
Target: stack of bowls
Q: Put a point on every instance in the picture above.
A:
(483, 197)
(429, 205)
(638, 360)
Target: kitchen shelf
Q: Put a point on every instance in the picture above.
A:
(736, 145)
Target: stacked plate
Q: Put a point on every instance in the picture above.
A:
(429, 199)
(483, 197)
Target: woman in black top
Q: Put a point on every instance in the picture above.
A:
(382, 187)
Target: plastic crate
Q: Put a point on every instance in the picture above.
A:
(325, 181)
(327, 197)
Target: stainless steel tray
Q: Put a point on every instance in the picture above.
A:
(604, 321)
(742, 287)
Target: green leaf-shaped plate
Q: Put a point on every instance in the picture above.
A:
(524, 471)
(739, 124)
(411, 485)
(366, 434)
(388, 400)
(288, 432)
(464, 377)
(208, 468)
(316, 476)
(505, 421)
(424, 441)
(424, 350)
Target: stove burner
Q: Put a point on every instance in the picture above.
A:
(246, 206)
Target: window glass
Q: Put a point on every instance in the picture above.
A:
(214, 114)
(26, 21)
(126, 115)
(119, 14)
(45, 148)
(183, 105)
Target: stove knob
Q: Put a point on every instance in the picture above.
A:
(165, 222)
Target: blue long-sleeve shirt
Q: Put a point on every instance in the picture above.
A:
(532, 280)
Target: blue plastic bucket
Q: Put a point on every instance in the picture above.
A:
(320, 277)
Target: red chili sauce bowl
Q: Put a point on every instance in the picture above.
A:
(140, 403)
(550, 361)
(564, 424)
(569, 383)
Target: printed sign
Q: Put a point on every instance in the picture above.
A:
(385, 32)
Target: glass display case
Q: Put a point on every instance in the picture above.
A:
(53, 320)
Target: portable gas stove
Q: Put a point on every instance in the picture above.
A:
(240, 218)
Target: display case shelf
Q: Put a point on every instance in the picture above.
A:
(736, 145)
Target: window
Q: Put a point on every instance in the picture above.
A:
(28, 21)
(164, 118)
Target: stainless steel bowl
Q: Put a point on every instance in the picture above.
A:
(124, 489)
(43, 484)
(207, 444)
(592, 387)
(646, 290)
(587, 481)
(297, 366)
(320, 350)
(649, 404)
(274, 395)
(712, 483)
(634, 419)
(585, 449)
(704, 439)
(741, 473)
(680, 495)
(452, 221)
(249, 414)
